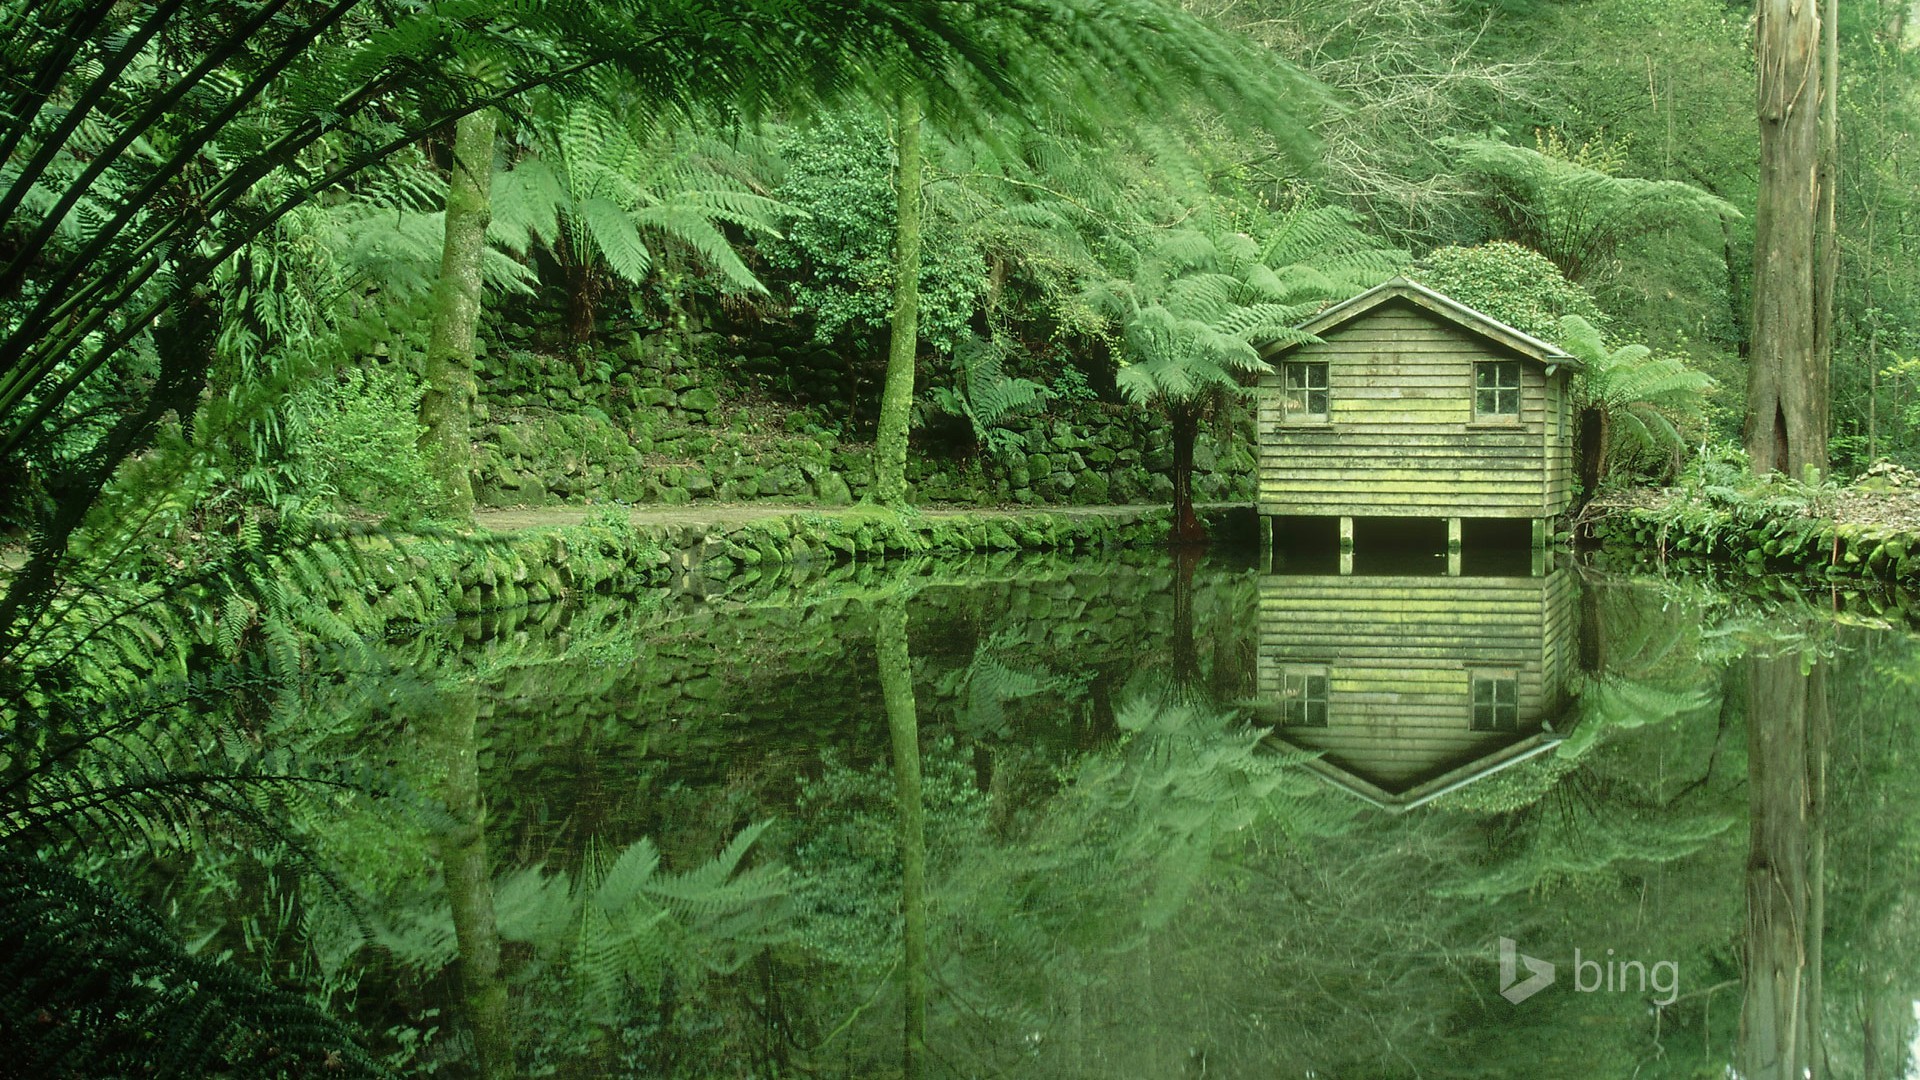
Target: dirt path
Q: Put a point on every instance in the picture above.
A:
(709, 513)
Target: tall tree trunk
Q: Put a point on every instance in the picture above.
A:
(1186, 429)
(1786, 710)
(896, 400)
(447, 409)
(469, 878)
(1826, 237)
(903, 725)
(1787, 385)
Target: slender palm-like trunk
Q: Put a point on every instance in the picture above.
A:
(447, 409)
(469, 879)
(896, 400)
(1593, 449)
(1787, 382)
(1186, 430)
(583, 293)
(903, 723)
(1186, 650)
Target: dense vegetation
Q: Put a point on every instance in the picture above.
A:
(289, 288)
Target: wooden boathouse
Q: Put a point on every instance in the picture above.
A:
(1412, 405)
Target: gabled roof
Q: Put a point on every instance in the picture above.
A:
(1447, 308)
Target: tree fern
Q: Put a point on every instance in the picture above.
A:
(622, 923)
(606, 192)
(1643, 402)
(1565, 202)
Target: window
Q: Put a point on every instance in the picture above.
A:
(1306, 392)
(1303, 696)
(1496, 389)
(1496, 700)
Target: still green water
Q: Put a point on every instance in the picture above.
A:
(1120, 816)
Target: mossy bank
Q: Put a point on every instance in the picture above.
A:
(613, 550)
(1868, 530)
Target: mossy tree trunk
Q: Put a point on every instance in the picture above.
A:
(447, 409)
(896, 400)
(469, 881)
(1787, 380)
(903, 724)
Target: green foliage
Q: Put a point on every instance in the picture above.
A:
(612, 184)
(840, 175)
(624, 923)
(1190, 315)
(92, 984)
(986, 395)
(848, 897)
(1564, 201)
(1514, 284)
(362, 440)
(1652, 405)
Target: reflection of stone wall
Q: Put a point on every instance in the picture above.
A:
(650, 423)
(738, 693)
(421, 579)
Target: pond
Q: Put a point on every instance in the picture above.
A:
(1133, 816)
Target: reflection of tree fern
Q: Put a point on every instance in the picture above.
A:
(994, 679)
(1163, 805)
(986, 395)
(1580, 834)
(625, 923)
(93, 985)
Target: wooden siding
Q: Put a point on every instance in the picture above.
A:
(1400, 653)
(1400, 437)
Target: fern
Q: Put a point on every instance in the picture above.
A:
(987, 396)
(623, 923)
(92, 984)
(1566, 204)
(1646, 402)
(608, 193)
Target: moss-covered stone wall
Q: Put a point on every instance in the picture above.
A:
(659, 421)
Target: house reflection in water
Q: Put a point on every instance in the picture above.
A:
(1410, 686)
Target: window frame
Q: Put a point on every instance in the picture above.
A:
(1498, 717)
(1481, 368)
(1312, 711)
(1288, 391)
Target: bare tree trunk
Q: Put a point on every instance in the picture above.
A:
(1593, 450)
(447, 409)
(1787, 385)
(896, 400)
(1826, 235)
(903, 724)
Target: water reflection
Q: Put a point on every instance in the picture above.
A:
(1409, 687)
(1072, 818)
